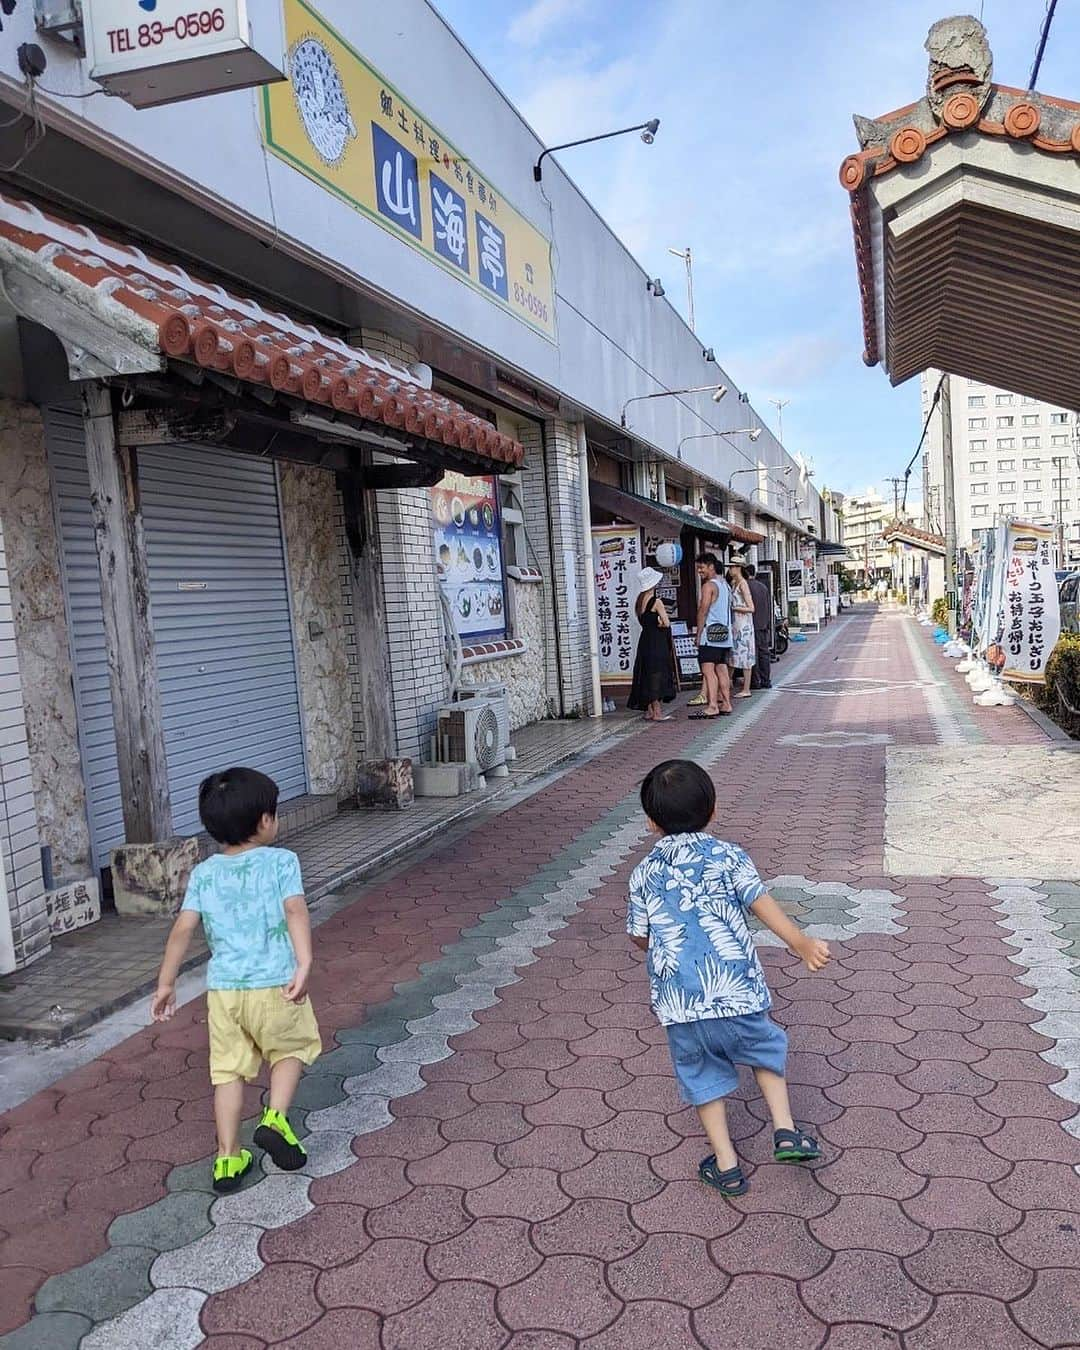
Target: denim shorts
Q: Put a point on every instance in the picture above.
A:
(706, 1054)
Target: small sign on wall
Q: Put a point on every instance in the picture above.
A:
(73, 906)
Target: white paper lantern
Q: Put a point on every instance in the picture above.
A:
(669, 554)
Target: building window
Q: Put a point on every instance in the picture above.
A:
(1060, 419)
(1030, 419)
(977, 445)
(1034, 507)
(1003, 400)
(1025, 399)
(1006, 465)
(1006, 422)
(1006, 443)
(1007, 508)
(977, 466)
(1060, 483)
(1009, 486)
(976, 424)
(976, 400)
(1032, 463)
(1032, 484)
(980, 489)
(1058, 441)
(1031, 443)
(980, 510)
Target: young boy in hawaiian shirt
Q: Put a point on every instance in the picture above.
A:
(688, 903)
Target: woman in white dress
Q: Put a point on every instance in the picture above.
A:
(744, 652)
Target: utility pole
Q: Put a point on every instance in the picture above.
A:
(897, 484)
(949, 502)
(894, 550)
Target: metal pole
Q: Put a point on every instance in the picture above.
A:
(949, 503)
(690, 288)
(1059, 462)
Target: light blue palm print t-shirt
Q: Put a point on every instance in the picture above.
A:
(689, 898)
(241, 900)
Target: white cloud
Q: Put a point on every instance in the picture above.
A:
(789, 365)
(536, 22)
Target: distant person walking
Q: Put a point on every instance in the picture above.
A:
(654, 678)
(714, 638)
(744, 651)
(763, 609)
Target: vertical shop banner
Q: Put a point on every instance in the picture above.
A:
(1032, 618)
(468, 553)
(616, 564)
(336, 120)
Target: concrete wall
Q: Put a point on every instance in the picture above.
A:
(20, 849)
(311, 513)
(41, 634)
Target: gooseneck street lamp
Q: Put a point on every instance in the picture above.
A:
(753, 432)
(717, 390)
(648, 135)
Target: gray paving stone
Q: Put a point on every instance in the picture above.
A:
(172, 1221)
(226, 1256)
(329, 1151)
(383, 1027)
(446, 1021)
(48, 1331)
(317, 1090)
(168, 1319)
(387, 1080)
(102, 1288)
(418, 1049)
(360, 1115)
(274, 1201)
(346, 1061)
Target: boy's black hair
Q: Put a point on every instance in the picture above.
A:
(709, 560)
(232, 803)
(679, 796)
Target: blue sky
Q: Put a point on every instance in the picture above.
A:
(755, 99)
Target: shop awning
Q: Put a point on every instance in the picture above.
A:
(965, 208)
(827, 549)
(665, 521)
(120, 311)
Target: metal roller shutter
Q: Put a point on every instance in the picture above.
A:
(220, 603)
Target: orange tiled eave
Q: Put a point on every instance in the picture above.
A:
(180, 317)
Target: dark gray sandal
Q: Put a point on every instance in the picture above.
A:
(729, 1183)
(795, 1146)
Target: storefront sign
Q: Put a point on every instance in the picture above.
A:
(796, 581)
(1032, 618)
(468, 553)
(73, 907)
(162, 51)
(616, 564)
(340, 123)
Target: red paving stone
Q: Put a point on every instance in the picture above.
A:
(540, 1192)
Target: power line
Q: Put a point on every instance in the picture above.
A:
(925, 429)
(1051, 5)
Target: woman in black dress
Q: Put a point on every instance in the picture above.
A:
(654, 679)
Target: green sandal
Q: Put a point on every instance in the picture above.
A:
(730, 1183)
(276, 1136)
(230, 1170)
(795, 1146)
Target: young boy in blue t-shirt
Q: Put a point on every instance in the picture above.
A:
(688, 903)
(250, 900)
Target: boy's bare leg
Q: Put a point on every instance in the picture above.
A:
(284, 1080)
(713, 1116)
(774, 1090)
(228, 1111)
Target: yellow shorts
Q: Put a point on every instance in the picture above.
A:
(249, 1025)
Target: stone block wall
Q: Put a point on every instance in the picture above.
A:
(20, 846)
(524, 675)
(311, 512)
(413, 616)
(557, 494)
(42, 641)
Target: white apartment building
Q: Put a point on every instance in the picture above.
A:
(865, 516)
(1012, 456)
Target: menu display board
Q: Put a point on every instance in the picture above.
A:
(468, 553)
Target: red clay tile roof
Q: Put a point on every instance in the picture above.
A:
(178, 317)
(901, 532)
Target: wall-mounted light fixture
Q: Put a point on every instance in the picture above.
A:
(648, 135)
(717, 390)
(753, 432)
(656, 287)
(709, 355)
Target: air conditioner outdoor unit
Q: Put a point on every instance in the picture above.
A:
(471, 733)
(497, 696)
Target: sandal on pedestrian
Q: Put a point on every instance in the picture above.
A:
(730, 1183)
(276, 1136)
(699, 701)
(795, 1146)
(703, 717)
(230, 1170)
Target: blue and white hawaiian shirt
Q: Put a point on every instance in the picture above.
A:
(689, 898)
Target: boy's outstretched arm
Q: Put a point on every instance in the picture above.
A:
(811, 950)
(299, 922)
(163, 1004)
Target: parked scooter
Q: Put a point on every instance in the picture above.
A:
(781, 636)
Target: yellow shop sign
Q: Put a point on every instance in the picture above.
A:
(341, 124)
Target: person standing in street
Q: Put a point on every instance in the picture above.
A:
(714, 638)
(759, 592)
(654, 678)
(742, 625)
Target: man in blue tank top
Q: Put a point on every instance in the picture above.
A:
(714, 638)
